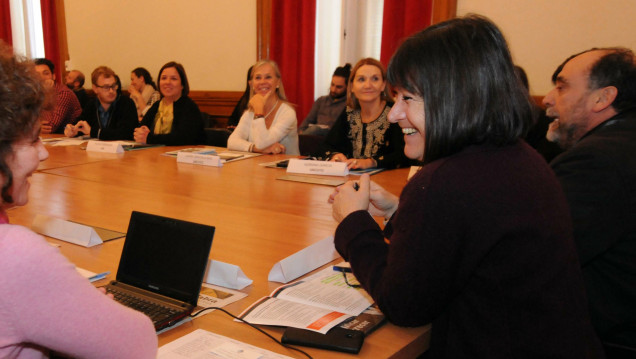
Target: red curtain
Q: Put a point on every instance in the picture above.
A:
(401, 19)
(5, 22)
(292, 42)
(51, 42)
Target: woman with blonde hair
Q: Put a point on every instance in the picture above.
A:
(362, 136)
(269, 125)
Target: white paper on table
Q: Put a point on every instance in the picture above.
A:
(226, 275)
(199, 159)
(66, 231)
(323, 168)
(104, 146)
(69, 142)
(203, 344)
(304, 261)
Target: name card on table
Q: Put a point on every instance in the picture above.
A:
(325, 168)
(199, 159)
(304, 261)
(66, 231)
(104, 146)
(226, 275)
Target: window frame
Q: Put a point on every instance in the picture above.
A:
(442, 11)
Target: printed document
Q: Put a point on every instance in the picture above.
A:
(317, 303)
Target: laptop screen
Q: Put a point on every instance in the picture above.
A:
(165, 256)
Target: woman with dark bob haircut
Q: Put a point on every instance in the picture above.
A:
(45, 305)
(480, 240)
(174, 120)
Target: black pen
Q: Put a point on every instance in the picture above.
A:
(356, 186)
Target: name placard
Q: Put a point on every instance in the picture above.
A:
(304, 261)
(104, 146)
(199, 159)
(325, 168)
(66, 231)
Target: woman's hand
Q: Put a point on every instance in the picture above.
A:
(338, 157)
(257, 103)
(133, 91)
(272, 149)
(360, 163)
(141, 134)
(346, 199)
(380, 202)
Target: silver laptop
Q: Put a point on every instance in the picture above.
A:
(161, 267)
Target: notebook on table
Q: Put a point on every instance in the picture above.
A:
(161, 267)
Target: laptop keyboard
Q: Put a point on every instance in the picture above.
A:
(155, 311)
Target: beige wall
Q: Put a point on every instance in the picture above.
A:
(543, 33)
(215, 40)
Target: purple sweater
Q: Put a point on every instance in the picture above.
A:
(45, 305)
(481, 247)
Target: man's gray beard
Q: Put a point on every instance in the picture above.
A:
(565, 136)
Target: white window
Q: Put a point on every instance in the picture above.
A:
(26, 28)
(346, 31)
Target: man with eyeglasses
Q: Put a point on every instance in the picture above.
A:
(109, 116)
(66, 108)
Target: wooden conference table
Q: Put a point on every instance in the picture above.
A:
(259, 221)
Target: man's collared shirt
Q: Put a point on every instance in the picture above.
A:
(324, 112)
(104, 115)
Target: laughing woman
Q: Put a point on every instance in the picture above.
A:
(45, 305)
(269, 126)
(480, 240)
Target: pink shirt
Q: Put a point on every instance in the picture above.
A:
(46, 305)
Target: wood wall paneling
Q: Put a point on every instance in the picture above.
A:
(443, 10)
(218, 104)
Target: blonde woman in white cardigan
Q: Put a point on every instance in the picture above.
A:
(269, 126)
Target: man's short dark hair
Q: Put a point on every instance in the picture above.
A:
(47, 62)
(343, 71)
(463, 70)
(617, 67)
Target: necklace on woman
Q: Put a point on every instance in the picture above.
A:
(270, 111)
